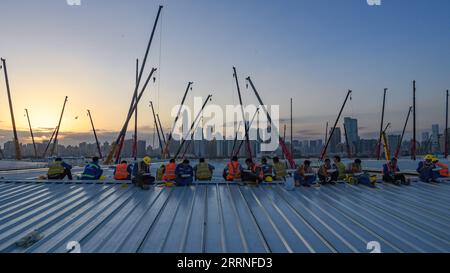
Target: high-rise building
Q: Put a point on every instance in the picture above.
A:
(351, 126)
(336, 139)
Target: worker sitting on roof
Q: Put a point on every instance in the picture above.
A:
(425, 170)
(169, 173)
(253, 173)
(304, 175)
(184, 174)
(58, 170)
(267, 170)
(123, 171)
(160, 172)
(358, 176)
(143, 177)
(203, 171)
(327, 174)
(279, 169)
(340, 167)
(233, 170)
(92, 171)
(391, 173)
(442, 169)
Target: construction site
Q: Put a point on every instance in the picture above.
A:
(224, 213)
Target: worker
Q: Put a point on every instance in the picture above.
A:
(443, 168)
(279, 169)
(123, 171)
(143, 177)
(304, 175)
(252, 173)
(184, 174)
(327, 174)
(169, 173)
(233, 170)
(425, 170)
(340, 167)
(355, 169)
(59, 169)
(267, 170)
(160, 172)
(391, 173)
(92, 171)
(203, 171)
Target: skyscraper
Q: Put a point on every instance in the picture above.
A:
(335, 140)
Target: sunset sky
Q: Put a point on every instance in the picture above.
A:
(311, 50)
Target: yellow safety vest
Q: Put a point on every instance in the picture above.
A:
(55, 168)
(280, 169)
(203, 171)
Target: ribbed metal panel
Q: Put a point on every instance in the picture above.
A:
(225, 218)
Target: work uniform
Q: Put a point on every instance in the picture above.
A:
(92, 171)
(58, 170)
(391, 175)
(169, 174)
(301, 177)
(144, 176)
(203, 171)
(326, 177)
(426, 173)
(122, 172)
(280, 171)
(253, 174)
(160, 173)
(233, 171)
(341, 170)
(444, 169)
(267, 170)
(184, 175)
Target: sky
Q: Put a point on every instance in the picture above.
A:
(310, 50)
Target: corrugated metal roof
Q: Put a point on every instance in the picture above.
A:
(225, 218)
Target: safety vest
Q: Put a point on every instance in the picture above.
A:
(121, 172)
(55, 168)
(280, 169)
(203, 172)
(233, 170)
(444, 172)
(169, 174)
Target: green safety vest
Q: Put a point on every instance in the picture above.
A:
(55, 168)
(203, 171)
(280, 169)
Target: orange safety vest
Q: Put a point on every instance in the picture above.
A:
(121, 172)
(233, 170)
(444, 172)
(169, 174)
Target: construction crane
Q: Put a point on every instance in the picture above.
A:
(286, 151)
(387, 152)
(166, 151)
(95, 135)
(247, 139)
(135, 140)
(399, 146)
(324, 151)
(13, 121)
(32, 135)
(378, 151)
(161, 144)
(55, 141)
(118, 144)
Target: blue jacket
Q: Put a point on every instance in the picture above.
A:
(386, 170)
(185, 174)
(92, 171)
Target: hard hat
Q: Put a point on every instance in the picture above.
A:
(147, 160)
(269, 179)
(428, 157)
(435, 159)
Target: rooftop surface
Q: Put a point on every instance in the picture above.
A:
(108, 217)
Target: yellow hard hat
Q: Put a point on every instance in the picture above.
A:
(429, 157)
(435, 159)
(269, 179)
(147, 160)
